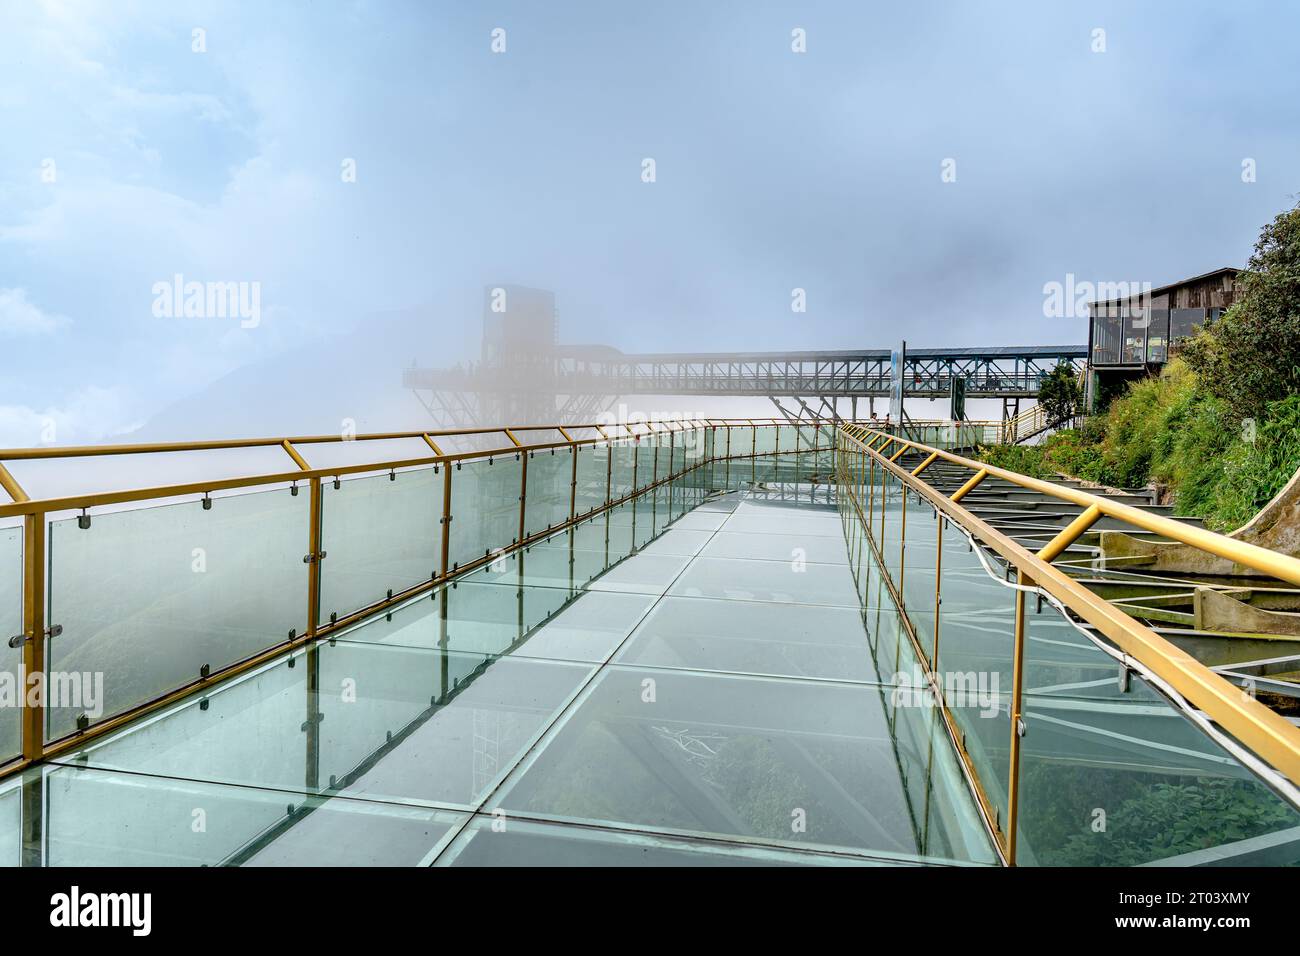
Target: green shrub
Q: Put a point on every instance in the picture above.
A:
(1250, 357)
(1024, 459)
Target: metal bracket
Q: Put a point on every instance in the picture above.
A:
(207, 502)
(18, 640)
(312, 557)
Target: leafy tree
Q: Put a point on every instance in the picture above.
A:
(1250, 356)
(1060, 394)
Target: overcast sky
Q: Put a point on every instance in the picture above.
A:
(128, 157)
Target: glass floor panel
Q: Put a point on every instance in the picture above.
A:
(780, 582)
(527, 843)
(784, 762)
(106, 818)
(818, 549)
(767, 737)
(750, 637)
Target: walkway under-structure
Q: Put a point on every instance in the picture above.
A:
(713, 643)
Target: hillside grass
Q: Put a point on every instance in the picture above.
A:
(1170, 432)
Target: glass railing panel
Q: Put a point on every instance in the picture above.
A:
(892, 520)
(1123, 783)
(1062, 661)
(146, 598)
(484, 507)
(920, 552)
(696, 446)
(550, 489)
(664, 465)
(764, 439)
(647, 460)
(975, 641)
(11, 822)
(592, 483)
(380, 533)
(621, 475)
(248, 730)
(11, 625)
(805, 437)
(742, 440)
(619, 526)
(592, 534)
(646, 512)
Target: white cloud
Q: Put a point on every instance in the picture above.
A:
(89, 415)
(20, 317)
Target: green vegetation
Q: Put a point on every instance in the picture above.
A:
(1252, 359)
(1218, 430)
(1060, 395)
(1150, 816)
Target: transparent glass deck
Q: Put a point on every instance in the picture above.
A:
(670, 683)
(689, 678)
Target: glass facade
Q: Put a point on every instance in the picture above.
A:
(1124, 334)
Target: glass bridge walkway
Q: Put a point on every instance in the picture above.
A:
(715, 695)
(724, 684)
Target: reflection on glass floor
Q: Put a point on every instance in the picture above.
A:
(649, 688)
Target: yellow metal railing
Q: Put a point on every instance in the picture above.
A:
(720, 439)
(1272, 738)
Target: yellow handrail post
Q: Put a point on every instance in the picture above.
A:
(965, 489)
(9, 484)
(925, 464)
(1070, 533)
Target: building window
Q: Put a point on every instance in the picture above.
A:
(1183, 323)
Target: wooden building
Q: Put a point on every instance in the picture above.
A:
(1132, 336)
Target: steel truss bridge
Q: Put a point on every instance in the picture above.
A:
(583, 384)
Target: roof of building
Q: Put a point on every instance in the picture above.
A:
(1171, 286)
